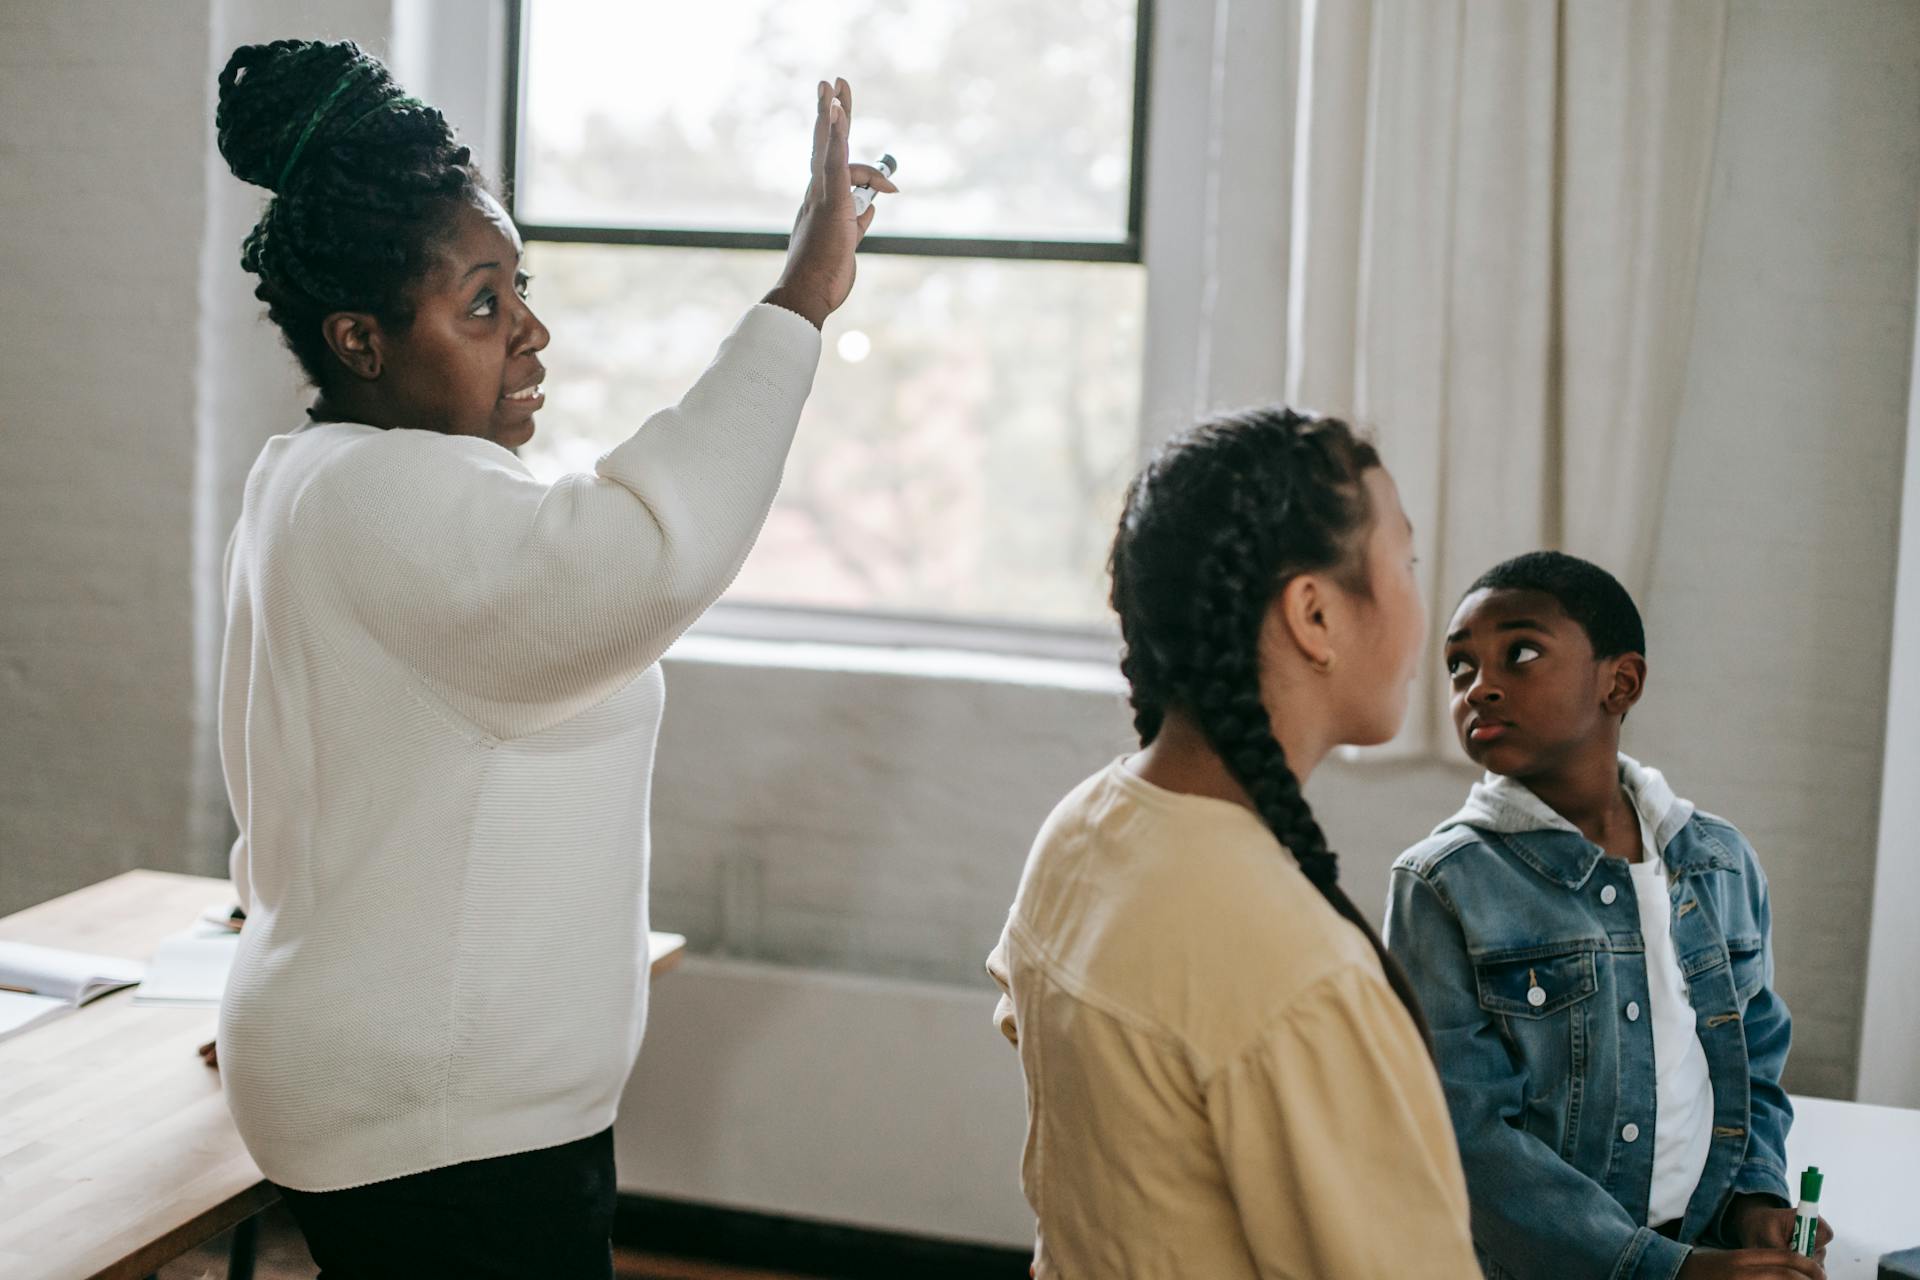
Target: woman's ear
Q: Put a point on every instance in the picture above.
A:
(1624, 683)
(355, 339)
(1301, 609)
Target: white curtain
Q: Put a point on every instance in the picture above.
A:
(1497, 212)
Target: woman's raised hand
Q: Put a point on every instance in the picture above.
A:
(819, 271)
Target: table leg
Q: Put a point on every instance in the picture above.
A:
(240, 1257)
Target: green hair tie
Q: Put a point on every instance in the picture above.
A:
(391, 104)
(345, 82)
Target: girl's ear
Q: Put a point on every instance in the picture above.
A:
(355, 339)
(1301, 607)
(1624, 683)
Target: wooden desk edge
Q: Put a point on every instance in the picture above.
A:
(151, 1256)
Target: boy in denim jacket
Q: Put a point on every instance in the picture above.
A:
(1595, 958)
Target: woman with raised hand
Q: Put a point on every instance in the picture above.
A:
(1227, 1076)
(440, 696)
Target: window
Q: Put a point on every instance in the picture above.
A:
(942, 471)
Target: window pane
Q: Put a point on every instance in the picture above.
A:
(964, 451)
(1009, 118)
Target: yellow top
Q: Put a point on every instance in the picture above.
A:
(1220, 1082)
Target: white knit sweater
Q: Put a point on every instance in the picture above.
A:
(439, 703)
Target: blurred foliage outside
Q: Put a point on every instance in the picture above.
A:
(974, 420)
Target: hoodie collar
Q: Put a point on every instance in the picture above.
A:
(1503, 808)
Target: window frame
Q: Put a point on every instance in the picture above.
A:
(1129, 249)
(880, 627)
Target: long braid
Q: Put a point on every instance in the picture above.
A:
(1137, 663)
(1213, 528)
(363, 180)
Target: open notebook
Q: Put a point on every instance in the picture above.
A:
(40, 983)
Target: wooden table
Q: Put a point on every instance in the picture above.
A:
(116, 1150)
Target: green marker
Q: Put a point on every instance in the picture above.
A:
(1806, 1217)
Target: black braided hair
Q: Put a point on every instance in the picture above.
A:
(1215, 526)
(364, 180)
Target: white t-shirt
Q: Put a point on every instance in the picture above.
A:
(1683, 1119)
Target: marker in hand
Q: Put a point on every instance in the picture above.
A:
(1806, 1220)
(863, 196)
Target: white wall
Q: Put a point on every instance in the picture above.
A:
(140, 381)
(877, 821)
(101, 220)
(1771, 602)
(835, 1097)
(1890, 1020)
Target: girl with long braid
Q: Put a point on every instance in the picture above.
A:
(440, 695)
(1227, 1076)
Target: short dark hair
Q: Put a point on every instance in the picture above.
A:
(1587, 593)
(364, 182)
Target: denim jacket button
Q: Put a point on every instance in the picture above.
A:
(1631, 1133)
(1607, 894)
(1633, 1011)
(1536, 996)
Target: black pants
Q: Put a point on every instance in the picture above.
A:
(545, 1214)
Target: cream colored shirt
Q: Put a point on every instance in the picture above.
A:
(1220, 1082)
(438, 709)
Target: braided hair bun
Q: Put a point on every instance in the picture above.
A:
(364, 178)
(1215, 526)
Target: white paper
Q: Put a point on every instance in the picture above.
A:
(72, 976)
(661, 945)
(189, 969)
(19, 1012)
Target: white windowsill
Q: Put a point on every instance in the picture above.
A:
(930, 663)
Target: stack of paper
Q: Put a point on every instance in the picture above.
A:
(190, 968)
(41, 983)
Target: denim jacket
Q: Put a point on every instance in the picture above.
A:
(1553, 1100)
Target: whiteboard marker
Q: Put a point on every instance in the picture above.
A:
(863, 196)
(1806, 1217)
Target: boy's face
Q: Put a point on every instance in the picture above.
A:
(1528, 693)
